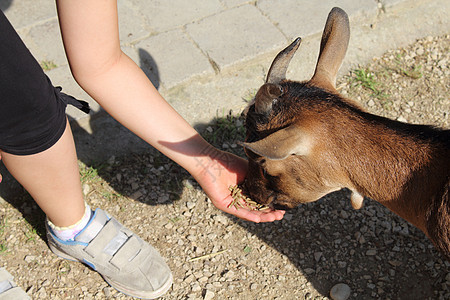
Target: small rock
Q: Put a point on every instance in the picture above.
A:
(340, 291)
(209, 295)
(119, 177)
(420, 51)
(134, 186)
(86, 189)
(229, 274)
(371, 252)
(189, 279)
(196, 287)
(317, 256)
(190, 205)
(42, 293)
(136, 195)
(395, 263)
(309, 271)
(287, 217)
(29, 258)
(188, 184)
(107, 292)
(45, 283)
(402, 119)
(163, 198)
(344, 214)
(221, 219)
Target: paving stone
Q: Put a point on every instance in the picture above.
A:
(304, 18)
(45, 42)
(20, 15)
(132, 24)
(170, 14)
(169, 58)
(235, 35)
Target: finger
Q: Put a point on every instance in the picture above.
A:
(256, 216)
(275, 215)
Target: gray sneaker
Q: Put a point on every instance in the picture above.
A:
(125, 261)
(8, 288)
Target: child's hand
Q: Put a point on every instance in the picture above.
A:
(222, 170)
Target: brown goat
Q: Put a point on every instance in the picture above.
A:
(304, 141)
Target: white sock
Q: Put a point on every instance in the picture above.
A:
(68, 233)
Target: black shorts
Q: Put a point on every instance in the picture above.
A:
(32, 110)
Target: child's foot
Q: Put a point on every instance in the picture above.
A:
(125, 261)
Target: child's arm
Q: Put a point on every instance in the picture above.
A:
(91, 40)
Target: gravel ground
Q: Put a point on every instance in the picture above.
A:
(317, 245)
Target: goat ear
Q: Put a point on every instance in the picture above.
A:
(281, 144)
(277, 71)
(266, 96)
(333, 47)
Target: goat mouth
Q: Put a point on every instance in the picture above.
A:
(278, 206)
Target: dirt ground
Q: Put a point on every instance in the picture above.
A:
(314, 247)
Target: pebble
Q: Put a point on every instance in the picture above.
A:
(221, 219)
(309, 271)
(420, 51)
(402, 119)
(134, 186)
(208, 295)
(29, 258)
(340, 291)
(107, 292)
(86, 189)
(196, 287)
(371, 252)
(317, 256)
(42, 293)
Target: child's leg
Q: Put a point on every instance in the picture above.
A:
(52, 179)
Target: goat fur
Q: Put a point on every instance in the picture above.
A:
(304, 140)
